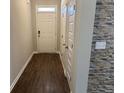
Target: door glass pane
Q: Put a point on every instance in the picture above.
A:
(46, 9)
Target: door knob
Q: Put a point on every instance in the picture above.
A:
(38, 33)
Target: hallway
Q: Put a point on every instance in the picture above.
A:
(50, 45)
(43, 74)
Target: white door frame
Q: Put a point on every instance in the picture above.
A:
(67, 42)
(56, 32)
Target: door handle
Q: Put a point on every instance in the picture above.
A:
(38, 33)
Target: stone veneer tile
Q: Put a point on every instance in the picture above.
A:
(101, 72)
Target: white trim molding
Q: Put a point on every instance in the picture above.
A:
(21, 71)
(62, 63)
(35, 52)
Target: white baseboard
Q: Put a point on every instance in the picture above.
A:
(35, 52)
(21, 71)
(62, 63)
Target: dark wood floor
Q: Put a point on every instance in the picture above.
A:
(44, 74)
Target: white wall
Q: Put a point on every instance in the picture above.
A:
(34, 3)
(21, 39)
(21, 36)
(85, 15)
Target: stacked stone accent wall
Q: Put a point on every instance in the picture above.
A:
(101, 73)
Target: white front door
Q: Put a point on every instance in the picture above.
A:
(46, 31)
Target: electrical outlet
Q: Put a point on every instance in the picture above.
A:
(100, 45)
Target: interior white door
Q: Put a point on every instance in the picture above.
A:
(46, 32)
(70, 38)
(63, 29)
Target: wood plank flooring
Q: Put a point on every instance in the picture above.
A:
(44, 74)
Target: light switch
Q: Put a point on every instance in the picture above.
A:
(100, 45)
